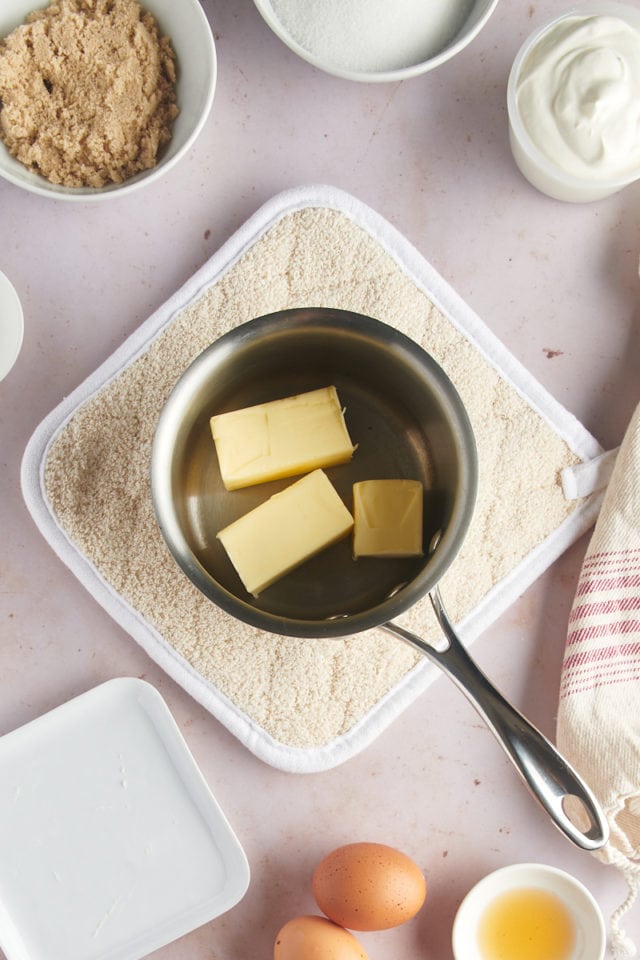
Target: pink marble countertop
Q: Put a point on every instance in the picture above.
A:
(558, 283)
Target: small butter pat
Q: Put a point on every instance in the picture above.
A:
(388, 518)
(284, 531)
(281, 438)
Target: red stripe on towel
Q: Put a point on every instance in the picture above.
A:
(601, 653)
(570, 687)
(598, 630)
(611, 668)
(599, 608)
(607, 557)
(608, 583)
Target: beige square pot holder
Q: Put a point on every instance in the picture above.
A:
(304, 705)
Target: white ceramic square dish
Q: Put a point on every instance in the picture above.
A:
(111, 843)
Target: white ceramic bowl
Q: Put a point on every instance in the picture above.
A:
(186, 24)
(535, 166)
(11, 326)
(590, 935)
(334, 35)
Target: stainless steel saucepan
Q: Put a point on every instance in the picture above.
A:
(408, 421)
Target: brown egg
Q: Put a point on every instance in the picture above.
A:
(368, 886)
(316, 938)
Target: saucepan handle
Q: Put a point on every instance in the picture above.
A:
(549, 777)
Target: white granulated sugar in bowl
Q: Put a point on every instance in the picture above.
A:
(371, 36)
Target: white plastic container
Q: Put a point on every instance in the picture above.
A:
(551, 177)
(111, 843)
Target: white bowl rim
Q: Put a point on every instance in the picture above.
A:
(12, 311)
(383, 76)
(529, 874)
(550, 170)
(40, 186)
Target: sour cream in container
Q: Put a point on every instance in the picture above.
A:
(573, 100)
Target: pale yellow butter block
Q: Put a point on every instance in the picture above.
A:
(388, 518)
(284, 531)
(281, 438)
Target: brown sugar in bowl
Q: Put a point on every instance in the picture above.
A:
(172, 93)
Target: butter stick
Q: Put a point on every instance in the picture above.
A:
(281, 438)
(388, 518)
(284, 531)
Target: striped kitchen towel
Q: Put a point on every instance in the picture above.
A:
(598, 726)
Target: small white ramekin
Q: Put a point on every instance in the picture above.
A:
(532, 163)
(591, 939)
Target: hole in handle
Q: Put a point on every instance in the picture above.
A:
(582, 818)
